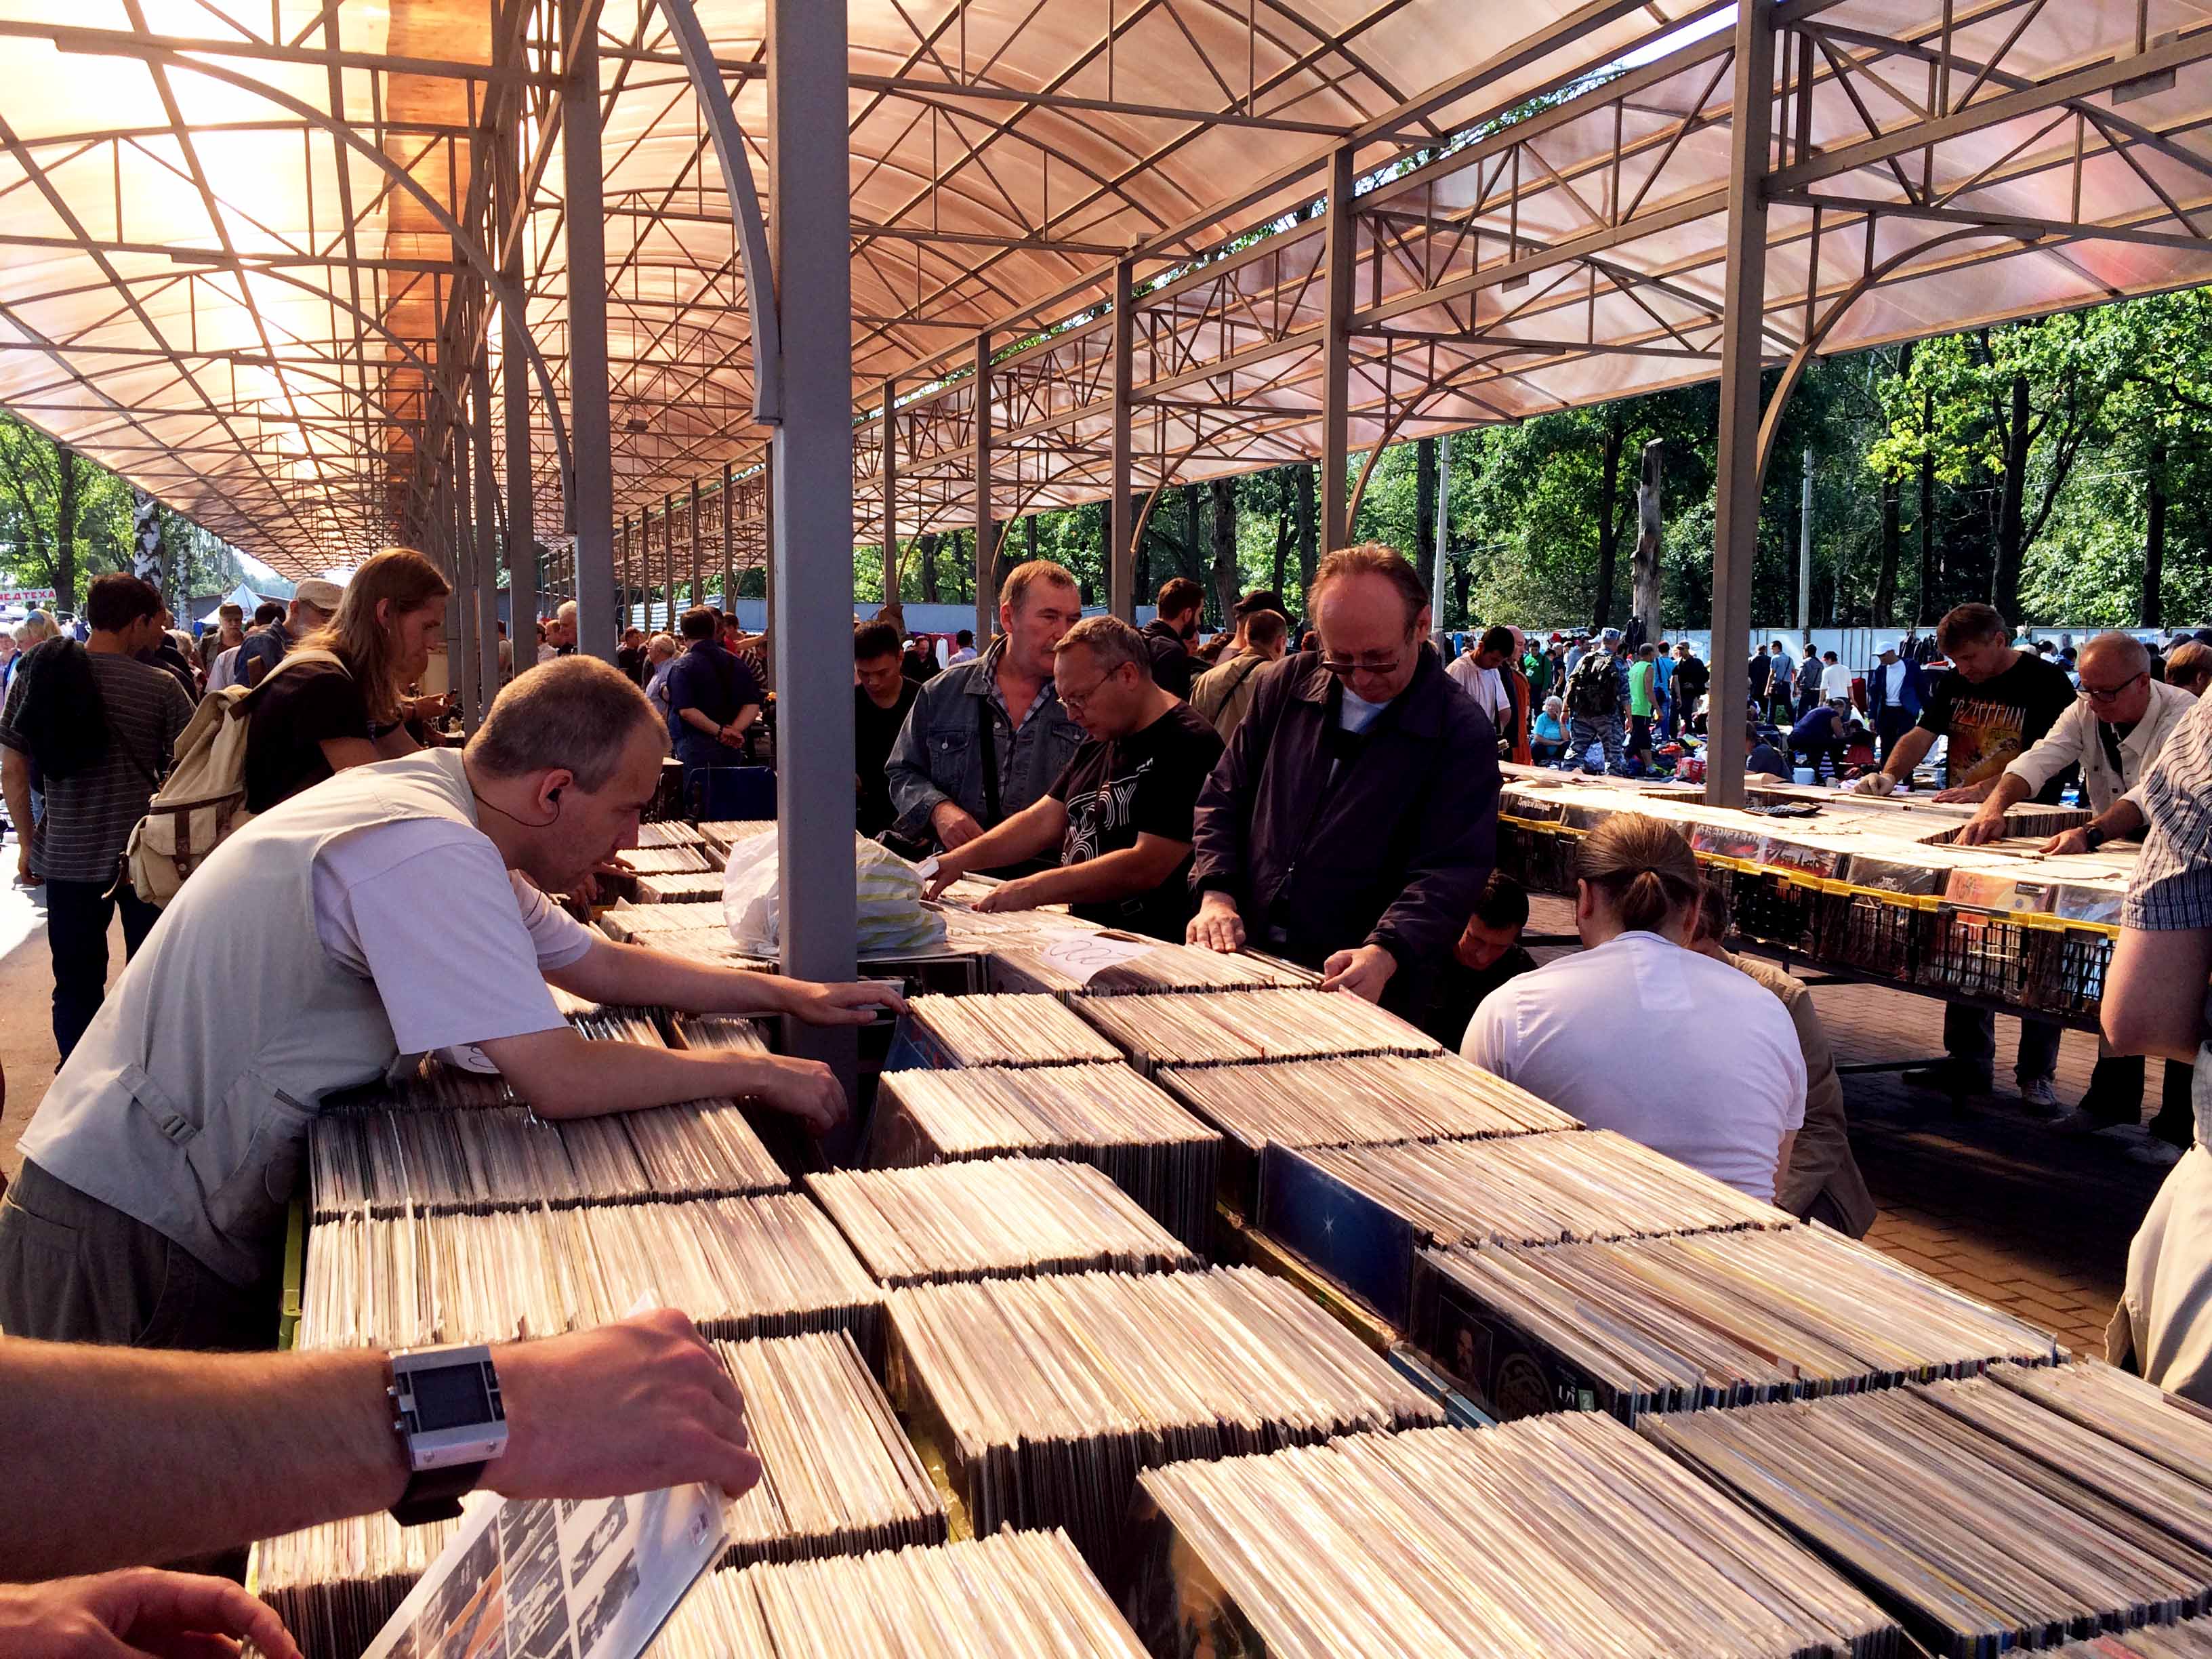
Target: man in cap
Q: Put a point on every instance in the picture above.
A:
(1894, 692)
(314, 602)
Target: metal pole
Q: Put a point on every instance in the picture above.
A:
(461, 653)
(1121, 595)
(1436, 584)
(1805, 547)
(668, 558)
(889, 475)
(590, 432)
(812, 463)
(698, 571)
(487, 562)
(1336, 356)
(1735, 530)
(987, 597)
(522, 576)
(729, 541)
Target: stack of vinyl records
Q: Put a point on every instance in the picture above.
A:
(1033, 964)
(1975, 1546)
(1227, 1027)
(2140, 1415)
(669, 832)
(726, 833)
(611, 1024)
(695, 887)
(731, 1032)
(1105, 1116)
(2190, 1639)
(1675, 1324)
(664, 860)
(1541, 1189)
(1048, 1396)
(633, 924)
(1564, 1536)
(838, 1473)
(993, 1217)
(1368, 1100)
(709, 944)
(1017, 1596)
(502, 1158)
(767, 1266)
(336, 1585)
(1002, 1030)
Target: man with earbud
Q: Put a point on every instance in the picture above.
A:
(393, 911)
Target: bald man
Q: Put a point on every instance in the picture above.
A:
(2113, 733)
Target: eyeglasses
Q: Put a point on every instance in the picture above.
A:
(1075, 701)
(2104, 694)
(1345, 667)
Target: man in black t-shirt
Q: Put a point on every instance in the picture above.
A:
(882, 694)
(1996, 704)
(1120, 813)
(1487, 953)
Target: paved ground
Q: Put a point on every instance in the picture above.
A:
(1984, 1199)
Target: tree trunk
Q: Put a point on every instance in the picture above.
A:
(1309, 554)
(1425, 514)
(1892, 542)
(1029, 535)
(2152, 614)
(1226, 576)
(1609, 525)
(65, 517)
(2004, 578)
(1282, 529)
(1648, 506)
(1191, 555)
(925, 549)
(1928, 605)
(1140, 581)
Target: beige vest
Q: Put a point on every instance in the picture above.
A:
(187, 1102)
(2164, 1321)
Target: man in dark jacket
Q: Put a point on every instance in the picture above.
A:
(1353, 820)
(1895, 694)
(1169, 634)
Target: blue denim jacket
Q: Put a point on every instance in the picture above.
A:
(938, 755)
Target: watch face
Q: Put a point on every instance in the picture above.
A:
(450, 1397)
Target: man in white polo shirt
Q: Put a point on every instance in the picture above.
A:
(396, 911)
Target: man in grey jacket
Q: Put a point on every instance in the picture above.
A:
(986, 739)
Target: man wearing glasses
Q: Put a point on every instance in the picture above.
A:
(1353, 820)
(2114, 731)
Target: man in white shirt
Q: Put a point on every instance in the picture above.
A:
(1730, 1098)
(1835, 681)
(1476, 673)
(396, 910)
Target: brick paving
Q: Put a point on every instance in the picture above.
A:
(1984, 1198)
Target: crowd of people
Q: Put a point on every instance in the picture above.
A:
(1324, 789)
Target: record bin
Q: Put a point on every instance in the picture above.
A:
(1358, 1243)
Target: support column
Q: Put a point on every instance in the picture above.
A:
(1336, 356)
(1805, 545)
(1121, 595)
(986, 564)
(668, 559)
(486, 597)
(810, 600)
(1735, 530)
(889, 475)
(698, 570)
(729, 540)
(522, 573)
(590, 438)
(1439, 581)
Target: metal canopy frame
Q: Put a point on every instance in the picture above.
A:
(1095, 246)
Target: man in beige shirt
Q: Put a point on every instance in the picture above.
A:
(1823, 1183)
(1224, 692)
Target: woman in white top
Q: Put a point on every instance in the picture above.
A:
(1638, 1033)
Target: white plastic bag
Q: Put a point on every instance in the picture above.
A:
(891, 916)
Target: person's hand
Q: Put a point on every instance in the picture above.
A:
(955, 828)
(1966, 794)
(853, 1002)
(24, 876)
(1216, 926)
(1874, 783)
(2076, 839)
(804, 1089)
(175, 1615)
(1019, 894)
(1984, 825)
(948, 871)
(1364, 972)
(632, 1407)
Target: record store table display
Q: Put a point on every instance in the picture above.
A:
(1561, 1536)
(1228, 1028)
(1864, 886)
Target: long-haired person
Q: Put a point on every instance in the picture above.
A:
(315, 717)
(1580, 1031)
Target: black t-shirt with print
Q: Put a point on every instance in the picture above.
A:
(289, 719)
(1145, 784)
(1991, 725)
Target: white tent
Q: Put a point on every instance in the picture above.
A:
(241, 595)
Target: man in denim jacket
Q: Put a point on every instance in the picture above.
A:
(986, 739)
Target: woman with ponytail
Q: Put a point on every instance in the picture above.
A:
(1582, 1031)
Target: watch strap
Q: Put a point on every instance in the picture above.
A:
(2094, 837)
(436, 1494)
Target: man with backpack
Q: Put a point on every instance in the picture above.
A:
(100, 725)
(1594, 699)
